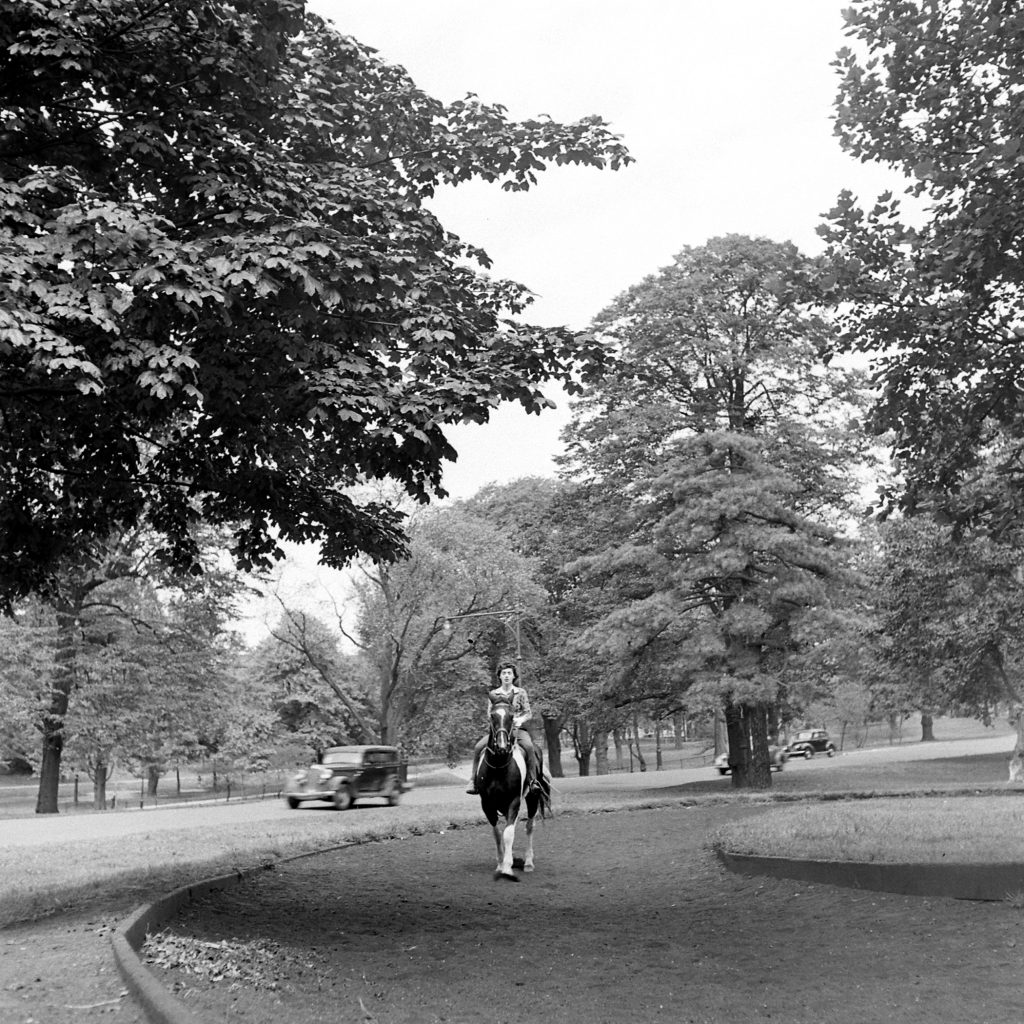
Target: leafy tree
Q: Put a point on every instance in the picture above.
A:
(120, 622)
(553, 523)
(953, 611)
(222, 296)
(841, 648)
(321, 694)
(27, 640)
(424, 624)
(934, 282)
(730, 450)
(317, 690)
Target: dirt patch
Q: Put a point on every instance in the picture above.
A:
(62, 971)
(628, 917)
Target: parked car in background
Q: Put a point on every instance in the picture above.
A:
(809, 742)
(348, 774)
(778, 757)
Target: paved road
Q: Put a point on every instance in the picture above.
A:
(46, 830)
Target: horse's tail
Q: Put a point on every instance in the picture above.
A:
(544, 797)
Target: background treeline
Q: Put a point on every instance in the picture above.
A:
(706, 553)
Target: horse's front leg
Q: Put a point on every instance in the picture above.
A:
(508, 836)
(528, 859)
(498, 828)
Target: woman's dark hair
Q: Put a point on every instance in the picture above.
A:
(511, 665)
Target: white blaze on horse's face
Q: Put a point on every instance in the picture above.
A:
(501, 728)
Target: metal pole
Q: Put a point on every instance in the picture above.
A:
(502, 614)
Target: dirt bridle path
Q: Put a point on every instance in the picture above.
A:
(629, 916)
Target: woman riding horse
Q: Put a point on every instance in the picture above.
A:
(503, 793)
(507, 690)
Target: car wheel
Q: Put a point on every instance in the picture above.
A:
(723, 771)
(831, 751)
(392, 794)
(293, 803)
(808, 754)
(343, 798)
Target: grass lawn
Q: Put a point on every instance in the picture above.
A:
(982, 772)
(897, 830)
(972, 816)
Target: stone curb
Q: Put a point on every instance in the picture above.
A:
(156, 1001)
(989, 882)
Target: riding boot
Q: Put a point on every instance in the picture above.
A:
(471, 788)
(533, 784)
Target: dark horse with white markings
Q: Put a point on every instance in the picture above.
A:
(501, 781)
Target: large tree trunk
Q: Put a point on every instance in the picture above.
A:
(1017, 757)
(53, 718)
(738, 744)
(658, 762)
(619, 756)
(721, 733)
(582, 745)
(927, 732)
(749, 759)
(678, 730)
(760, 758)
(601, 753)
(553, 740)
(99, 787)
(635, 740)
(895, 727)
(152, 779)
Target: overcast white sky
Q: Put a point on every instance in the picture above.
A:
(725, 104)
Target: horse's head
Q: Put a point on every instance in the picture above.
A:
(502, 731)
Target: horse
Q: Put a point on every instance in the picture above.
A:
(501, 780)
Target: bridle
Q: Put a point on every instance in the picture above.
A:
(500, 743)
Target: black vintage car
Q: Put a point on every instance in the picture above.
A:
(809, 742)
(348, 774)
(777, 757)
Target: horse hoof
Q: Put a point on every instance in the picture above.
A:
(527, 868)
(518, 862)
(500, 876)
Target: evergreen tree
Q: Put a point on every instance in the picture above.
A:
(729, 449)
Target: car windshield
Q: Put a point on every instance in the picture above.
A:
(343, 758)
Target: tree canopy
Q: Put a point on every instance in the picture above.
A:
(935, 281)
(951, 615)
(222, 294)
